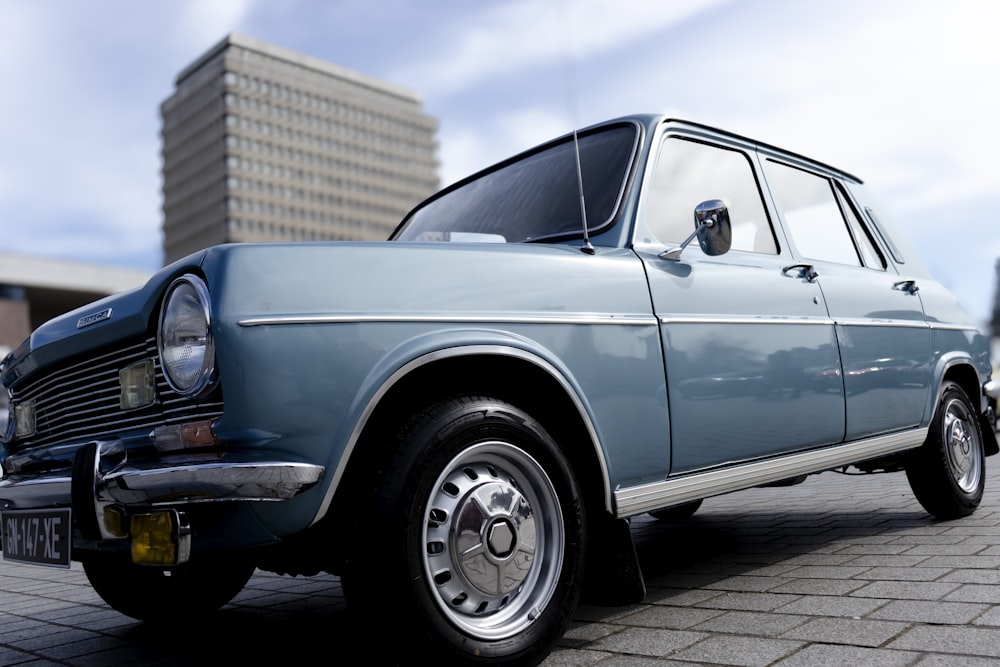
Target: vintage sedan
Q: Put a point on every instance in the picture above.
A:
(460, 421)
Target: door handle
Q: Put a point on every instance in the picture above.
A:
(909, 286)
(806, 271)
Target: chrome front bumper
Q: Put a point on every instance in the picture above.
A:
(103, 477)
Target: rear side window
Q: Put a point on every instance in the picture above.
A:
(812, 214)
(870, 253)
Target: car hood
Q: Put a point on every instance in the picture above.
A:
(390, 278)
(250, 283)
(123, 316)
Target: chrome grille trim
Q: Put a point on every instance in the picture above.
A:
(80, 401)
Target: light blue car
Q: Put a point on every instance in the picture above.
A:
(460, 421)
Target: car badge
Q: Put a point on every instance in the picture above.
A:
(93, 318)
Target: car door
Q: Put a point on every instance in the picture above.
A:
(881, 329)
(752, 365)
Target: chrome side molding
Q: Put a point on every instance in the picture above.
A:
(681, 489)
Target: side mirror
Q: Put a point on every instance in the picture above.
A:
(712, 227)
(715, 232)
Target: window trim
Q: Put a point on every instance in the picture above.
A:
(749, 153)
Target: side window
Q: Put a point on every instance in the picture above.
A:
(688, 173)
(870, 253)
(812, 214)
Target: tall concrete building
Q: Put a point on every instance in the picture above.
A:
(264, 144)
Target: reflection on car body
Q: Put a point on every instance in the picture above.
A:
(460, 421)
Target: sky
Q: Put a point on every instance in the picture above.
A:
(902, 93)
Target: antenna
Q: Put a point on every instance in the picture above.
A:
(587, 246)
(571, 103)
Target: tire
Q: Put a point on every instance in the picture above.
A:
(947, 473)
(677, 513)
(473, 544)
(157, 595)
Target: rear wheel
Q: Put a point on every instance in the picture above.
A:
(473, 545)
(947, 472)
(155, 594)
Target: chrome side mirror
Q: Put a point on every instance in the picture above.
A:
(712, 227)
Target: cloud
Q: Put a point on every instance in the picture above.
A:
(468, 149)
(515, 36)
(80, 128)
(204, 22)
(898, 91)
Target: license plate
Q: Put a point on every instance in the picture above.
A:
(38, 537)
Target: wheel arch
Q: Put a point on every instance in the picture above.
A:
(518, 376)
(963, 372)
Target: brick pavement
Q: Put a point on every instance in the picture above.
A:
(838, 570)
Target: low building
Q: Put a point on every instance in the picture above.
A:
(36, 289)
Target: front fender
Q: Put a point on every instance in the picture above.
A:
(431, 347)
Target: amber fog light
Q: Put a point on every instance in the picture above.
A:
(159, 538)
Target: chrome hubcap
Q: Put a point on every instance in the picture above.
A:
(962, 446)
(494, 537)
(493, 540)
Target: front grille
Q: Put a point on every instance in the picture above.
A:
(81, 401)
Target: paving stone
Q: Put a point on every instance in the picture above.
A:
(972, 577)
(818, 559)
(963, 641)
(573, 657)
(992, 528)
(938, 613)
(748, 651)
(847, 631)
(928, 660)
(975, 593)
(675, 618)
(579, 634)
(990, 617)
(827, 655)
(14, 657)
(919, 573)
(906, 590)
(820, 586)
(875, 549)
(80, 648)
(751, 623)
(888, 560)
(978, 561)
(828, 572)
(648, 641)
(50, 639)
(828, 605)
(678, 596)
(988, 551)
(963, 549)
(747, 583)
(916, 540)
(749, 601)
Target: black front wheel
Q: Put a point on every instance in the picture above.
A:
(155, 594)
(473, 544)
(947, 474)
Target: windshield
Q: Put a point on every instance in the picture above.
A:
(534, 197)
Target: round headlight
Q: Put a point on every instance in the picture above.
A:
(184, 339)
